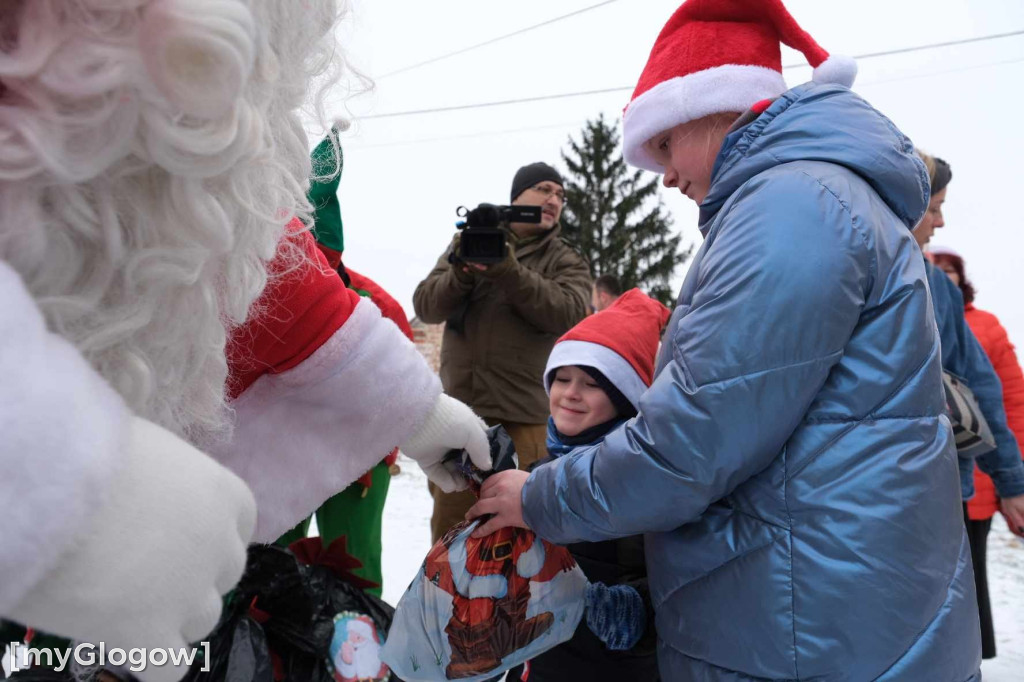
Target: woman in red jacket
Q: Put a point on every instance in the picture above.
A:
(983, 506)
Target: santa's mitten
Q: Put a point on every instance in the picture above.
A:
(451, 425)
(615, 614)
(166, 540)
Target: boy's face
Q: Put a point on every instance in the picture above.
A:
(577, 402)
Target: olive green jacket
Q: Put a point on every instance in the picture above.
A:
(501, 327)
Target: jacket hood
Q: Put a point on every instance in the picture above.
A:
(827, 123)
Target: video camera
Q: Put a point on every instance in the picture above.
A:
(482, 239)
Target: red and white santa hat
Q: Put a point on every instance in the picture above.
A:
(620, 342)
(716, 56)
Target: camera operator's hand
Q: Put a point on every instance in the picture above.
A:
(462, 271)
(499, 269)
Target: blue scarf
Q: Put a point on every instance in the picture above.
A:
(560, 444)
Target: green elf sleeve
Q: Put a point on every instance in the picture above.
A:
(328, 230)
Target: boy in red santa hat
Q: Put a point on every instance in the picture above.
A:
(594, 377)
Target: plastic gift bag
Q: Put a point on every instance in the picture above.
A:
(478, 607)
(299, 614)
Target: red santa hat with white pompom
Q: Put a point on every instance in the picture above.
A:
(716, 56)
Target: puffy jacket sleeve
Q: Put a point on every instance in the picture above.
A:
(778, 294)
(439, 295)
(963, 355)
(551, 304)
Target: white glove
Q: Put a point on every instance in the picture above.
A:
(155, 558)
(451, 425)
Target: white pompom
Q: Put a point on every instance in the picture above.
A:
(837, 69)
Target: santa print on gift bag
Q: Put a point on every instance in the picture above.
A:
(490, 590)
(355, 649)
(480, 606)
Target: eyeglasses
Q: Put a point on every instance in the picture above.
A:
(548, 190)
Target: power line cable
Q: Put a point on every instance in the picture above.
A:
(528, 129)
(949, 43)
(932, 74)
(601, 91)
(491, 41)
(481, 105)
(464, 136)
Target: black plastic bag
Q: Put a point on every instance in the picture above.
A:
(290, 616)
(239, 647)
(359, 620)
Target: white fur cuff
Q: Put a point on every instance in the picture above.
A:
(306, 434)
(686, 98)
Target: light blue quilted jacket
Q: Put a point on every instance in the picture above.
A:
(790, 464)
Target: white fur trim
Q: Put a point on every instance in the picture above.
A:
(304, 435)
(720, 89)
(61, 438)
(837, 69)
(615, 367)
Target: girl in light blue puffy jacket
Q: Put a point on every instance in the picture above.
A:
(790, 465)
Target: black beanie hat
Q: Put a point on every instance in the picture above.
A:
(528, 176)
(943, 174)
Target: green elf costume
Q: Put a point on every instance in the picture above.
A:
(356, 512)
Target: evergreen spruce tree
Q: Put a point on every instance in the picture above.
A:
(615, 216)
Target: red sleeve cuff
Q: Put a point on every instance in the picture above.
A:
(296, 314)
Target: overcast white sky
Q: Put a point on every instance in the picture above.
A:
(405, 176)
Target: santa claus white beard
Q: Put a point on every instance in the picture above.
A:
(141, 201)
(365, 661)
(147, 288)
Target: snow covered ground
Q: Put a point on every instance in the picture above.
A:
(406, 528)
(407, 539)
(1006, 586)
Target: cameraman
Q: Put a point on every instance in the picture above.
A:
(502, 321)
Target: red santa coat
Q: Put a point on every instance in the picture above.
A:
(321, 384)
